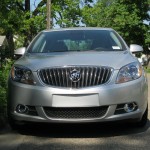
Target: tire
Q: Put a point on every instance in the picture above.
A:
(144, 118)
(15, 125)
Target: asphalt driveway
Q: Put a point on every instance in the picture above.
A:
(78, 137)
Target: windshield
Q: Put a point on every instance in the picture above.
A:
(76, 40)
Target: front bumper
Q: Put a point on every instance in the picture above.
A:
(110, 95)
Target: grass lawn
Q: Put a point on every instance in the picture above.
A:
(147, 69)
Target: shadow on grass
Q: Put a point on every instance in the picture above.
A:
(2, 122)
(3, 117)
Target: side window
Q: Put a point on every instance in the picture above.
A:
(115, 42)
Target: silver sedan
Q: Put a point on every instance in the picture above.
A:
(77, 75)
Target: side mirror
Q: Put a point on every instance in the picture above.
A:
(135, 48)
(19, 52)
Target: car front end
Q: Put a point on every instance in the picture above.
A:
(77, 87)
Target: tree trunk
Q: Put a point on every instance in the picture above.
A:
(10, 43)
(27, 33)
(27, 5)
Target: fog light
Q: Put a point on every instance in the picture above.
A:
(129, 107)
(22, 109)
(126, 108)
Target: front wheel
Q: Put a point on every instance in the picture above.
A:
(15, 125)
(144, 118)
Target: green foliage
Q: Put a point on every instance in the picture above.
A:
(147, 69)
(125, 16)
(67, 13)
(4, 73)
(10, 16)
(147, 39)
(17, 18)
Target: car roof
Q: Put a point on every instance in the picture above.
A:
(78, 28)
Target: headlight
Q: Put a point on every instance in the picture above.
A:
(129, 72)
(22, 74)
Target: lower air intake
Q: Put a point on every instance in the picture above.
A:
(76, 113)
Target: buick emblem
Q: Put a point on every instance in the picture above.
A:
(75, 75)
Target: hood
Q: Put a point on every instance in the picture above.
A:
(112, 59)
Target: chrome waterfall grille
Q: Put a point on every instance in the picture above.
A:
(75, 76)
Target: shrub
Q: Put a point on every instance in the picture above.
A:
(4, 73)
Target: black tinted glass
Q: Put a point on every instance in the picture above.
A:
(76, 40)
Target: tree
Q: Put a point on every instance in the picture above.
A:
(17, 17)
(125, 16)
(6, 18)
(67, 13)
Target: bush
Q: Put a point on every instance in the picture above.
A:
(4, 73)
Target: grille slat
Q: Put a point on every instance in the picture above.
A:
(47, 76)
(70, 82)
(54, 76)
(76, 113)
(95, 75)
(63, 77)
(83, 78)
(58, 75)
(102, 79)
(108, 74)
(79, 83)
(89, 76)
(51, 78)
(86, 78)
(42, 76)
(99, 75)
(66, 75)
